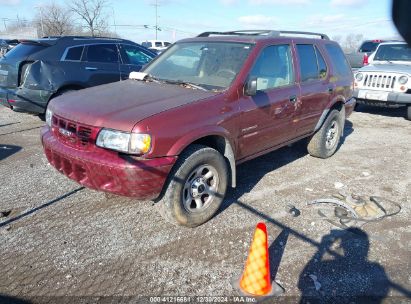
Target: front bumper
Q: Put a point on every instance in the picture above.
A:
(106, 170)
(25, 100)
(381, 97)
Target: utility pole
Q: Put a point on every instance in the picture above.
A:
(156, 5)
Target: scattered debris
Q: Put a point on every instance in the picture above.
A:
(366, 174)
(348, 210)
(338, 185)
(316, 283)
(291, 209)
(309, 189)
(5, 213)
(7, 228)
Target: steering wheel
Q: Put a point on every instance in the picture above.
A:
(225, 73)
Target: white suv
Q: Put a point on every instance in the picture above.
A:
(387, 81)
(156, 45)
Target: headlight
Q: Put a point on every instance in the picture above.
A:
(131, 143)
(49, 116)
(403, 80)
(359, 76)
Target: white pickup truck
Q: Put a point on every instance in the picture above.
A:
(387, 81)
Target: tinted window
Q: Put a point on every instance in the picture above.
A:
(308, 62)
(135, 55)
(74, 53)
(146, 44)
(23, 50)
(167, 43)
(102, 53)
(322, 66)
(158, 44)
(393, 52)
(338, 59)
(368, 47)
(273, 67)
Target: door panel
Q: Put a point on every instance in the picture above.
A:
(316, 91)
(102, 64)
(267, 117)
(267, 120)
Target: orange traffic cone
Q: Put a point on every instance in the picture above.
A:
(256, 279)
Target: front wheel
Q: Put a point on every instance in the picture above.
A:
(196, 187)
(324, 142)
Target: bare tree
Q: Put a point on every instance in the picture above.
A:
(353, 41)
(54, 20)
(91, 12)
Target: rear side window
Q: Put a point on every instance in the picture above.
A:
(105, 53)
(322, 66)
(167, 43)
(273, 67)
(308, 62)
(159, 44)
(23, 50)
(74, 53)
(341, 65)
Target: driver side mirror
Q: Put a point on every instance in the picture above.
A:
(250, 88)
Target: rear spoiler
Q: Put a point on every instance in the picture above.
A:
(35, 42)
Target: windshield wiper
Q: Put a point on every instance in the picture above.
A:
(186, 83)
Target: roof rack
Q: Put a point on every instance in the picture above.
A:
(263, 33)
(80, 37)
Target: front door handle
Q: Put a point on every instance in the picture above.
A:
(91, 69)
(293, 99)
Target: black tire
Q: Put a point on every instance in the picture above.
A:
(178, 205)
(408, 113)
(325, 141)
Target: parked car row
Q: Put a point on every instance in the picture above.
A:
(36, 71)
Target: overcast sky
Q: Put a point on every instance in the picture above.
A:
(182, 18)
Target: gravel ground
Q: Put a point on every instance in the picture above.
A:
(61, 240)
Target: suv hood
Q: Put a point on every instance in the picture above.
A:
(387, 67)
(121, 105)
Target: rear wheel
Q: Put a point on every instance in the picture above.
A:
(324, 142)
(196, 187)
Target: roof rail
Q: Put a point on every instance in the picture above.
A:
(263, 33)
(80, 37)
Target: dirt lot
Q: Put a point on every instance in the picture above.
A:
(63, 240)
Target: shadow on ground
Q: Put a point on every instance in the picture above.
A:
(389, 112)
(8, 150)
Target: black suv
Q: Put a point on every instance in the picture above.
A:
(35, 71)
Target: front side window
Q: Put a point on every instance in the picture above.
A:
(211, 65)
(135, 55)
(273, 67)
(104, 53)
(393, 52)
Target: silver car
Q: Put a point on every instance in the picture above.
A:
(387, 81)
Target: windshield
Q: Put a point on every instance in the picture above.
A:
(393, 52)
(211, 65)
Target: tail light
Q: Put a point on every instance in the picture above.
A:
(365, 59)
(24, 69)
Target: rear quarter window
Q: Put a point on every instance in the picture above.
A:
(340, 63)
(22, 50)
(74, 53)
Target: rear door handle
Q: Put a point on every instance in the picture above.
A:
(293, 99)
(91, 69)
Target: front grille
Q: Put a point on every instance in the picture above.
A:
(379, 81)
(74, 134)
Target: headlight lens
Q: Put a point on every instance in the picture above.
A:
(131, 143)
(359, 76)
(49, 116)
(403, 80)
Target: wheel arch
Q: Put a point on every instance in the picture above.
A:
(217, 140)
(336, 104)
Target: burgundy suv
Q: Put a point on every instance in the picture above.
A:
(176, 132)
